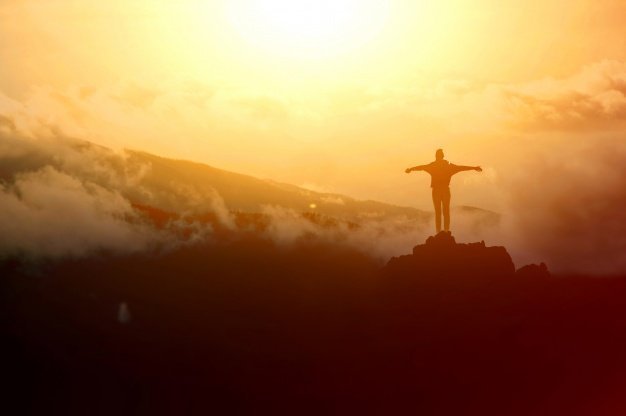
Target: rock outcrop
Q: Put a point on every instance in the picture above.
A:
(531, 271)
(441, 256)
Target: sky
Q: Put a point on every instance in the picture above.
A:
(341, 96)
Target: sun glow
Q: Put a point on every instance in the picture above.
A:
(308, 28)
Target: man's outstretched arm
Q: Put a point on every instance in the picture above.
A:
(415, 168)
(458, 168)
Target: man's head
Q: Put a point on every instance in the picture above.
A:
(439, 154)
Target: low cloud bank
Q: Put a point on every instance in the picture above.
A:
(47, 213)
(570, 210)
(61, 197)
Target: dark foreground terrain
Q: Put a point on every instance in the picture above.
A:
(247, 327)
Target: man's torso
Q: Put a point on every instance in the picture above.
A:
(441, 172)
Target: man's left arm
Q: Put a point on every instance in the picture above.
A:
(460, 168)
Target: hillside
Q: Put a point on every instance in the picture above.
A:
(247, 193)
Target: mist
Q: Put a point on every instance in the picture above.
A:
(62, 197)
(46, 213)
(566, 207)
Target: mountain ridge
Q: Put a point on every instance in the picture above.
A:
(247, 193)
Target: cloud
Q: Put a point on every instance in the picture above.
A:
(47, 213)
(570, 210)
(594, 98)
(63, 197)
(379, 238)
(288, 226)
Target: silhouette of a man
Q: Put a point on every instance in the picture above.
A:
(441, 172)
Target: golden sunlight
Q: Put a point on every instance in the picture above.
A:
(305, 28)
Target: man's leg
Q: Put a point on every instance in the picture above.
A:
(445, 199)
(437, 204)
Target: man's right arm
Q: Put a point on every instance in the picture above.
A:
(416, 168)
